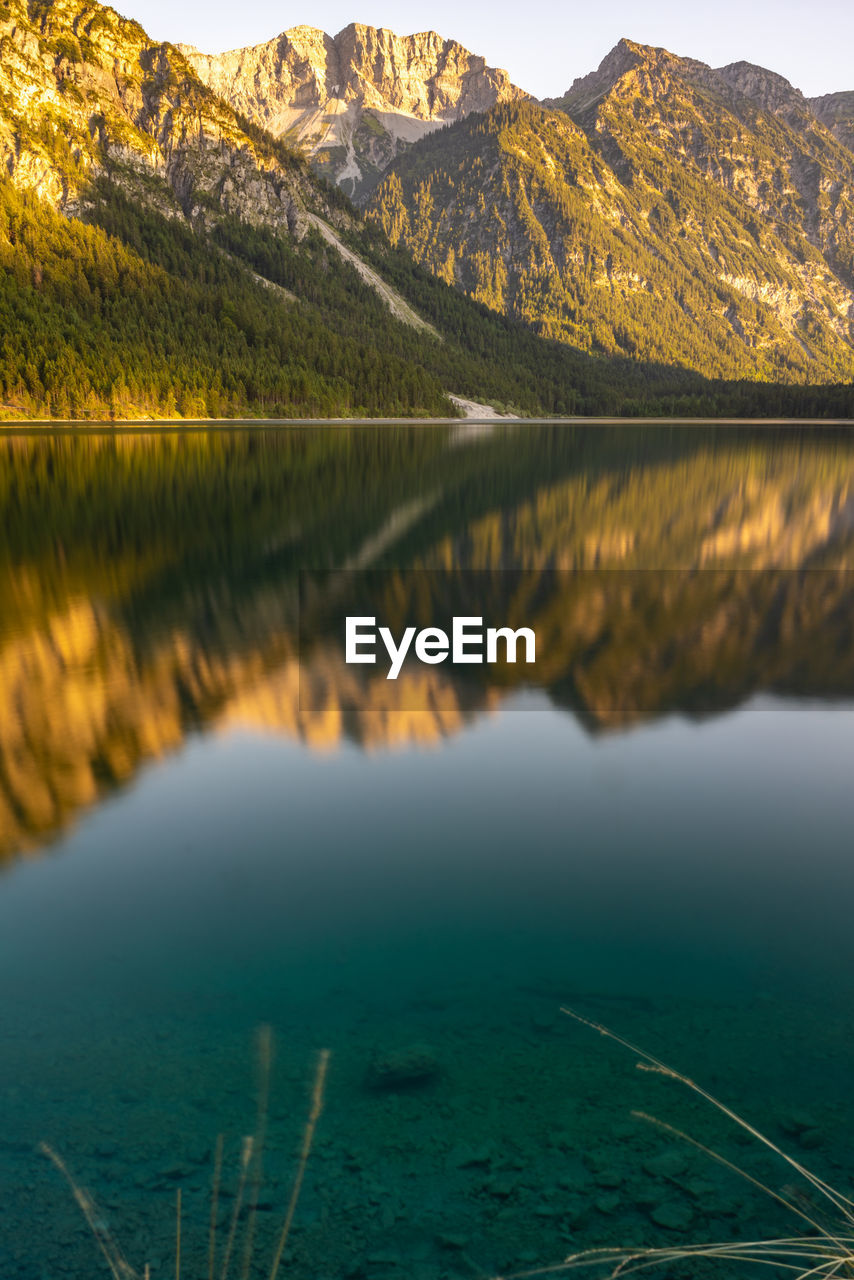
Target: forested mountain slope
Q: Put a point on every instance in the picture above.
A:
(160, 255)
(660, 210)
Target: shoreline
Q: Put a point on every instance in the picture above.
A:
(35, 426)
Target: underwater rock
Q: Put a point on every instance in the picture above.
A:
(500, 1188)
(804, 1128)
(673, 1215)
(544, 1022)
(608, 1204)
(449, 1240)
(670, 1164)
(795, 1123)
(415, 1064)
(700, 1189)
(463, 1156)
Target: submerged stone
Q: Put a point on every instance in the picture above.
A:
(450, 1240)
(670, 1164)
(463, 1156)
(608, 1203)
(501, 1188)
(673, 1215)
(415, 1064)
(795, 1123)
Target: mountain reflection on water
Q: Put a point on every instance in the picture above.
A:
(149, 584)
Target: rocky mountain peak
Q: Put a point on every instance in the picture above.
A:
(355, 100)
(770, 91)
(626, 57)
(585, 90)
(724, 176)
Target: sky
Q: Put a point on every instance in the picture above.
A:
(545, 44)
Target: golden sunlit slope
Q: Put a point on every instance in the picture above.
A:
(659, 210)
(85, 91)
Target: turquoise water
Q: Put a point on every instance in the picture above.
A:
(209, 828)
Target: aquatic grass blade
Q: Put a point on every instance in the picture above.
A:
(825, 1255)
(214, 1206)
(308, 1138)
(119, 1267)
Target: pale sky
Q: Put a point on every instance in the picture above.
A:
(545, 44)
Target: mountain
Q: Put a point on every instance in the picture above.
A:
(136, 208)
(355, 100)
(660, 209)
(161, 255)
(85, 92)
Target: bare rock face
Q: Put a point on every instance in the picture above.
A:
(836, 111)
(586, 90)
(84, 92)
(769, 91)
(772, 92)
(356, 100)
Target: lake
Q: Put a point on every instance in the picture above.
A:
(225, 850)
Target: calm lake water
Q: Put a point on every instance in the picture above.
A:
(211, 825)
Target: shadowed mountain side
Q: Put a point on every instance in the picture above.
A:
(149, 588)
(143, 316)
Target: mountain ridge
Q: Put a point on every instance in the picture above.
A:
(84, 91)
(657, 207)
(355, 100)
(162, 253)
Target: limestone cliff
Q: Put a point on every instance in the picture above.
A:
(355, 100)
(85, 92)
